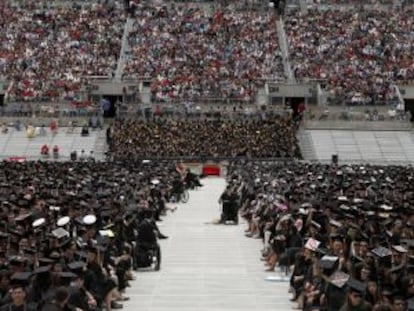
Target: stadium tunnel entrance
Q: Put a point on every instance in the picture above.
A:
(110, 104)
(409, 106)
(297, 104)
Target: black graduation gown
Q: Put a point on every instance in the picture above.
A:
(78, 298)
(12, 307)
(146, 235)
(51, 306)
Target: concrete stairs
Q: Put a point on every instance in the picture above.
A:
(303, 6)
(306, 145)
(100, 147)
(285, 50)
(125, 49)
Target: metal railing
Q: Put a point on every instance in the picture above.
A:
(370, 114)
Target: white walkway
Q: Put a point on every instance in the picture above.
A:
(206, 267)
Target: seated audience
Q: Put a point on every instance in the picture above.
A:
(189, 53)
(213, 138)
(357, 55)
(67, 230)
(347, 231)
(46, 52)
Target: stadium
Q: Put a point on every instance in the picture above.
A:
(207, 155)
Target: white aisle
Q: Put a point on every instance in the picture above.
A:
(206, 267)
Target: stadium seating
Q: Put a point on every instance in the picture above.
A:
(47, 52)
(188, 53)
(357, 54)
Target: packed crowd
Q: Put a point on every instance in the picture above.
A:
(346, 230)
(46, 52)
(210, 138)
(188, 53)
(357, 54)
(69, 231)
(354, 2)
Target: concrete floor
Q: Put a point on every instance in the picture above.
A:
(376, 147)
(207, 267)
(17, 144)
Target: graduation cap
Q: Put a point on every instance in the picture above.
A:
(89, 220)
(3, 235)
(20, 279)
(384, 215)
(344, 207)
(54, 208)
(316, 224)
(67, 275)
(107, 233)
(381, 252)
(76, 266)
(106, 213)
(42, 269)
(22, 217)
(335, 223)
(356, 286)
(336, 237)
(17, 260)
(328, 262)
(81, 255)
(38, 222)
(312, 244)
(386, 207)
(45, 261)
(399, 249)
(60, 233)
(55, 255)
(16, 232)
(108, 226)
(306, 205)
(63, 221)
(30, 251)
(339, 279)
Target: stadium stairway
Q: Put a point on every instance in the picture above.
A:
(123, 55)
(303, 6)
(100, 147)
(284, 49)
(306, 145)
